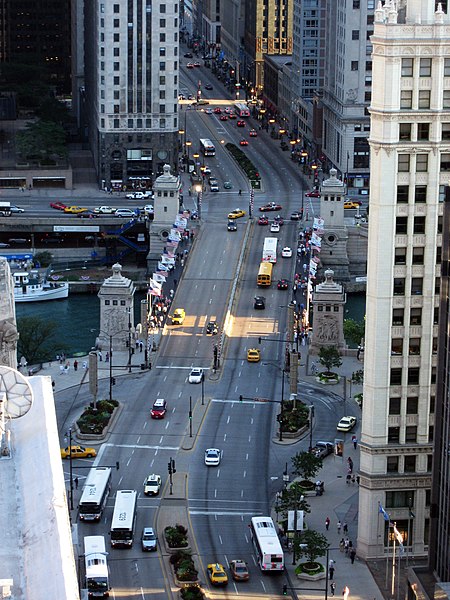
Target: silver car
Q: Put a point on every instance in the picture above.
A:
(149, 540)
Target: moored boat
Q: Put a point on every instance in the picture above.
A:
(31, 286)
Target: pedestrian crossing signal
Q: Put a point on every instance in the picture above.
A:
(285, 590)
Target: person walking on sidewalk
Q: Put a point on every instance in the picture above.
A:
(352, 555)
(339, 525)
(331, 571)
(327, 523)
(75, 365)
(332, 588)
(355, 441)
(345, 527)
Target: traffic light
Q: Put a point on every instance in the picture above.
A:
(173, 466)
(117, 465)
(284, 590)
(241, 397)
(113, 381)
(259, 340)
(169, 467)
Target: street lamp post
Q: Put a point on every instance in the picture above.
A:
(280, 416)
(129, 340)
(198, 189)
(188, 145)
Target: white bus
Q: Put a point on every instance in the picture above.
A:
(267, 545)
(207, 147)
(97, 582)
(270, 250)
(241, 109)
(124, 519)
(95, 494)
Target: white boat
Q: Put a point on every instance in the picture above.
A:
(32, 287)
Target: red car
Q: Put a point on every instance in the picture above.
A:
(231, 115)
(217, 110)
(270, 207)
(159, 409)
(253, 133)
(263, 220)
(223, 118)
(279, 220)
(58, 205)
(313, 194)
(243, 142)
(240, 123)
(283, 284)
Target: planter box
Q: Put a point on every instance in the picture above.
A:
(316, 577)
(328, 381)
(98, 437)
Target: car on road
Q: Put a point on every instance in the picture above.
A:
(87, 214)
(322, 449)
(232, 226)
(208, 111)
(346, 423)
(283, 284)
(197, 64)
(188, 55)
(227, 185)
(253, 133)
(239, 570)
(218, 110)
(295, 216)
(75, 210)
(286, 252)
(208, 86)
(253, 355)
(152, 485)
(178, 316)
(212, 179)
(352, 204)
(214, 187)
(271, 206)
(259, 302)
(139, 195)
(243, 142)
(190, 65)
(274, 228)
(78, 452)
(125, 212)
(232, 115)
(263, 220)
(206, 170)
(217, 575)
(16, 209)
(159, 409)
(212, 328)
(196, 375)
(240, 123)
(148, 209)
(279, 219)
(149, 540)
(224, 117)
(58, 205)
(237, 213)
(105, 210)
(212, 457)
(313, 194)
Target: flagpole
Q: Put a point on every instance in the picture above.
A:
(387, 555)
(393, 567)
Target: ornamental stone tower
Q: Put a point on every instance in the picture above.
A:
(328, 301)
(116, 311)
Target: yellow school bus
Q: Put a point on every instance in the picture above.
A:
(265, 274)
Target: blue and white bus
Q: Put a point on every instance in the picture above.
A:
(268, 549)
(207, 147)
(95, 494)
(241, 109)
(124, 519)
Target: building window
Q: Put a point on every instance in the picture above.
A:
(162, 8)
(396, 377)
(162, 66)
(116, 8)
(411, 434)
(424, 99)
(116, 66)
(414, 346)
(429, 463)
(130, 123)
(417, 256)
(403, 163)
(432, 404)
(398, 317)
(355, 34)
(162, 95)
(116, 109)
(405, 131)
(356, 4)
(420, 194)
(400, 256)
(437, 286)
(438, 255)
(116, 52)
(116, 124)
(354, 65)
(430, 433)
(116, 37)
(407, 67)
(116, 80)
(399, 286)
(412, 405)
(401, 225)
(416, 286)
(397, 346)
(423, 131)
(116, 23)
(433, 375)
(107, 302)
(445, 162)
(399, 499)
(425, 67)
(392, 464)
(419, 224)
(162, 37)
(368, 65)
(394, 405)
(413, 375)
(406, 99)
(162, 51)
(410, 464)
(422, 163)
(402, 194)
(415, 316)
(393, 435)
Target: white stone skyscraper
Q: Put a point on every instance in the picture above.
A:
(410, 164)
(131, 88)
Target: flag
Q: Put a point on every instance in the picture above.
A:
(168, 253)
(161, 273)
(155, 285)
(172, 244)
(384, 513)
(411, 514)
(162, 267)
(159, 278)
(398, 536)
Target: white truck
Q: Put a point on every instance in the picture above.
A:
(5, 209)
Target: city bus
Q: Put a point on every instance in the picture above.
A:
(124, 519)
(95, 494)
(268, 549)
(207, 147)
(270, 250)
(97, 581)
(264, 274)
(241, 109)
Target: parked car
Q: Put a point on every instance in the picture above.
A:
(322, 449)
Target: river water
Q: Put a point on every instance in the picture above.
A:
(75, 317)
(78, 314)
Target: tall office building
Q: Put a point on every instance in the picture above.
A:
(38, 32)
(410, 161)
(131, 75)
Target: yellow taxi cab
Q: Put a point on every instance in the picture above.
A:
(78, 452)
(253, 355)
(217, 574)
(178, 316)
(236, 214)
(75, 209)
(349, 204)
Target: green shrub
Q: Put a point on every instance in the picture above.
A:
(183, 565)
(192, 592)
(176, 537)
